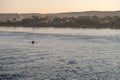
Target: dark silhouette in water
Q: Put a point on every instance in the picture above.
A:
(33, 42)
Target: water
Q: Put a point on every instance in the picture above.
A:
(59, 54)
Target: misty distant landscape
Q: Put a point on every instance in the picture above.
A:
(90, 19)
(18, 16)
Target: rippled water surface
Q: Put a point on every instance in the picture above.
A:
(59, 54)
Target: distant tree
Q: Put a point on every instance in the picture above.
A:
(57, 19)
(35, 18)
(14, 19)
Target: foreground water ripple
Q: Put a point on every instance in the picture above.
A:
(59, 56)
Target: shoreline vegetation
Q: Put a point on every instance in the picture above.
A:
(66, 22)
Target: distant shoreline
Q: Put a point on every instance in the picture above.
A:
(79, 27)
(67, 22)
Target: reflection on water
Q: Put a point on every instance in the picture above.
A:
(59, 54)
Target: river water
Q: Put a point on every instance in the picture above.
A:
(59, 54)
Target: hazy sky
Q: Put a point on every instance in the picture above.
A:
(51, 6)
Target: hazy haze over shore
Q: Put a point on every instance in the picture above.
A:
(10, 16)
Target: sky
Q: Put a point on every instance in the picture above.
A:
(56, 6)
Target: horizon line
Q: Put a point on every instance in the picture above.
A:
(59, 12)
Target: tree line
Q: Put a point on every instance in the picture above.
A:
(71, 22)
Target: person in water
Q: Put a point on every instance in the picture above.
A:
(33, 42)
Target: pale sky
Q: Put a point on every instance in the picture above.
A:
(55, 6)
